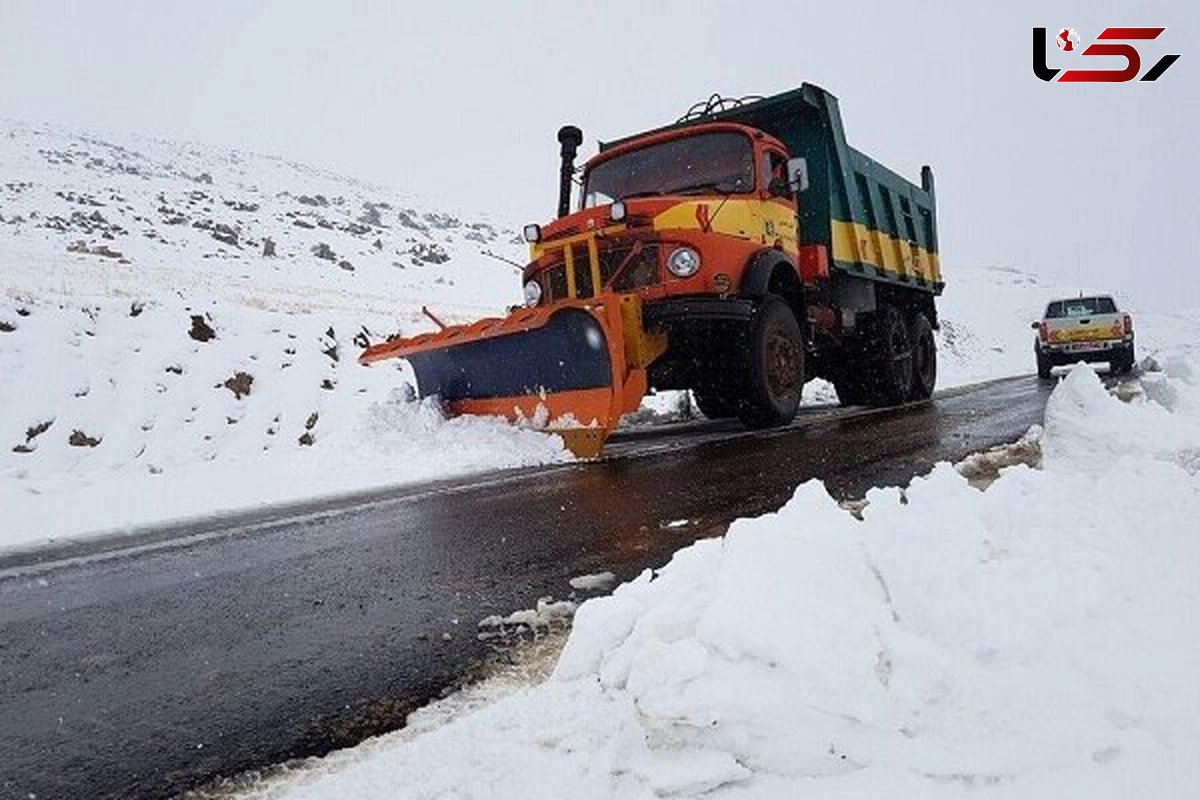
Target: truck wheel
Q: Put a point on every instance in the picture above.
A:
(851, 388)
(715, 402)
(1044, 367)
(773, 375)
(1123, 363)
(889, 359)
(924, 358)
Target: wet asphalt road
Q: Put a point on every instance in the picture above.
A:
(143, 666)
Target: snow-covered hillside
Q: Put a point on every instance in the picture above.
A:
(247, 219)
(179, 326)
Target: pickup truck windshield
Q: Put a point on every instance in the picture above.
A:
(1081, 307)
(710, 162)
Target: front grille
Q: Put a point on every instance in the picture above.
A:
(583, 272)
(637, 269)
(642, 270)
(554, 283)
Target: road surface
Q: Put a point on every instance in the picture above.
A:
(143, 666)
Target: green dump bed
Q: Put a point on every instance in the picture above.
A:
(874, 223)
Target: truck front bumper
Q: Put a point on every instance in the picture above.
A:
(689, 310)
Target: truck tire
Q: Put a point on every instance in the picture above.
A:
(715, 402)
(1123, 363)
(851, 388)
(924, 359)
(888, 359)
(773, 370)
(1044, 366)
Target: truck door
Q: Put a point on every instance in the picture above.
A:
(779, 228)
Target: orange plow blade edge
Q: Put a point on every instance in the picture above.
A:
(572, 368)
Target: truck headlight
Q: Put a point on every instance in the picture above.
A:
(533, 293)
(533, 233)
(617, 211)
(683, 262)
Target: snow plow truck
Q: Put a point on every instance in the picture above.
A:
(736, 253)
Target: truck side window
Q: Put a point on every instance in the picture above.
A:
(777, 177)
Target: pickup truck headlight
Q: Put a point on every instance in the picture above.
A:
(533, 293)
(683, 262)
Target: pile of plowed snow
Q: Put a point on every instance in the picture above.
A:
(1036, 639)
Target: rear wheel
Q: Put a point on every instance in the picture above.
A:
(1044, 366)
(716, 402)
(1123, 363)
(850, 385)
(924, 357)
(889, 358)
(773, 373)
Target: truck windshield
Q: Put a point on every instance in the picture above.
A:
(709, 162)
(1081, 307)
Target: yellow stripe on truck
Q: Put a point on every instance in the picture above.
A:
(768, 223)
(855, 242)
(761, 221)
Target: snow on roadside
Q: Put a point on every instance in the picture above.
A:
(179, 328)
(1037, 638)
(128, 403)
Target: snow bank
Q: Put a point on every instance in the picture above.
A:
(114, 415)
(179, 327)
(1035, 639)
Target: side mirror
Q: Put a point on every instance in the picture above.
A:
(1036, 325)
(797, 170)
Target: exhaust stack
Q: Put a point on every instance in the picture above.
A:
(570, 138)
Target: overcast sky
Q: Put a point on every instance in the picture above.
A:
(461, 102)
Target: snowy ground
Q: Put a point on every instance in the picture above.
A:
(119, 409)
(159, 364)
(116, 414)
(1038, 638)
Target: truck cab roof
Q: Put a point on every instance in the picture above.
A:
(647, 139)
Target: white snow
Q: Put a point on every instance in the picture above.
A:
(1038, 638)
(97, 350)
(548, 613)
(594, 582)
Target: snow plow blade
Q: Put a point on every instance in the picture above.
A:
(572, 368)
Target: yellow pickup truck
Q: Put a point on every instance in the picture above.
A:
(1084, 329)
